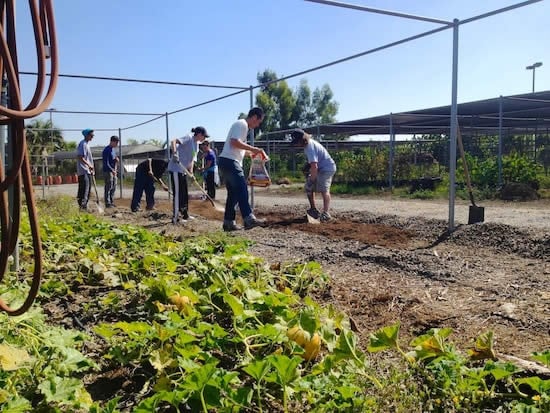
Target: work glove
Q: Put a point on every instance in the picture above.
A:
(175, 158)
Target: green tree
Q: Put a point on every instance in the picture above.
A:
(132, 142)
(286, 109)
(43, 136)
(277, 101)
(153, 141)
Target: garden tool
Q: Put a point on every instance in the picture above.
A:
(160, 182)
(216, 206)
(311, 219)
(476, 213)
(99, 207)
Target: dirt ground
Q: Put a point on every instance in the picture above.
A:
(385, 268)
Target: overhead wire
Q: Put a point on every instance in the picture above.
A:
(13, 114)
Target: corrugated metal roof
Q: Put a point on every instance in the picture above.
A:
(522, 114)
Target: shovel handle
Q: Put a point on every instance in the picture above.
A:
(466, 171)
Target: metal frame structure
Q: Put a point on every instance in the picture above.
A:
(443, 25)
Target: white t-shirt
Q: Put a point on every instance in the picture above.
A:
(187, 149)
(84, 150)
(239, 130)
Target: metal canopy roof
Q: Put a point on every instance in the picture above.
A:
(520, 114)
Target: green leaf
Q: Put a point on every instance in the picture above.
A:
(257, 369)
(236, 305)
(199, 378)
(536, 383)
(286, 368)
(384, 339)
(18, 405)
(543, 357)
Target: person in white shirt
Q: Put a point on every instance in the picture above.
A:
(321, 170)
(230, 164)
(184, 156)
(84, 169)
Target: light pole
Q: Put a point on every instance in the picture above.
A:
(533, 68)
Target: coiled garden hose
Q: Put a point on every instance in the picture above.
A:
(13, 115)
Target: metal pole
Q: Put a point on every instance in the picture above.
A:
(251, 138)
(392, 138)
(454, 124)
(533, 89)
(168, 146)
(500, 141)
(120, 163)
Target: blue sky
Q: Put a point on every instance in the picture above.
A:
(228, 42)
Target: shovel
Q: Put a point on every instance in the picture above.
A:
(476, 213)
(216, 206)
(99, 207)
(311, 219)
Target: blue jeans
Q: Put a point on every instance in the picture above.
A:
(237, 188)
(143, 182)
(110, 187)
(84, 186)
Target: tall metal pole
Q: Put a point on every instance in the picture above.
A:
(533, 88)
(454, 126)
(499, 159)
(392, 138)
(251, 139)
(167, 144)
(120, 162)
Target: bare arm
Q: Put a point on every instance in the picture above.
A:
(313, 171)
(85, 162)
(236, 143)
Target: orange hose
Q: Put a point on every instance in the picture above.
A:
(20, 176)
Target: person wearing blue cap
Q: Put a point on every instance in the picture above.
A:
(84, 169)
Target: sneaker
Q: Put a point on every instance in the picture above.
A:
(251, 221)
(229, 226)
(325, 217)
(313, 213)
(151, 208)
(135, 209)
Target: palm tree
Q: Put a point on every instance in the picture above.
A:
(43, 136)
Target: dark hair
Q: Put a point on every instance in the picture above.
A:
(258, 112)
(114, 138)
(201, 130)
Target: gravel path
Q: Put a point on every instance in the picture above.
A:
(518, 214)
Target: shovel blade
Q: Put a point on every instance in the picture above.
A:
(476, 214)
(312, 220)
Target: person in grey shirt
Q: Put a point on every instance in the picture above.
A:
(321, 170)
(84, 169)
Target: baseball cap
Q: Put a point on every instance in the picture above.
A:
(86, 132)
(202, 130)
(297, 135)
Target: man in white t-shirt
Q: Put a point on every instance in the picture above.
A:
(321, 170)
(230, 164)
